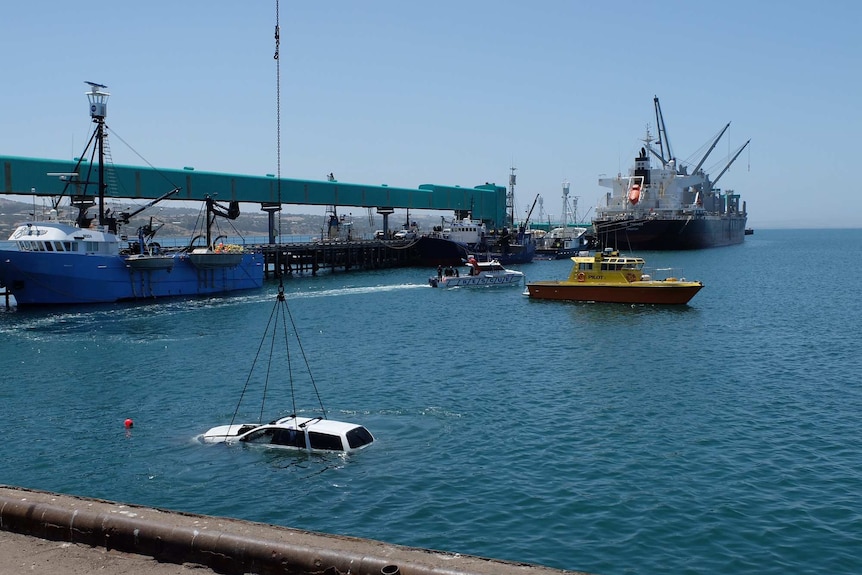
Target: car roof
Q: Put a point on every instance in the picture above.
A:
(319, 424)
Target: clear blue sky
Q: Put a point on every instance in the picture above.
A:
(454, 92)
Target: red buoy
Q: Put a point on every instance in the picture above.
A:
(129, 423)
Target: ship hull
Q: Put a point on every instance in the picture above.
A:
(44, 278)
(516, 254)
(670, 234)
(558, 253)
(434, 252)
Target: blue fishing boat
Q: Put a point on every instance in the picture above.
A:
(87, 261)
(517, 248)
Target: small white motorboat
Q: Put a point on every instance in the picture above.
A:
(292, 432)
(479, 274)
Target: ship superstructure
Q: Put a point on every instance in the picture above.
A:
(669, 206)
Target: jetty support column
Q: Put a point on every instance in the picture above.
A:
(270, 209)
(386, 212)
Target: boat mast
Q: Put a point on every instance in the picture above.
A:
(510, 197)
(569, 208)
(565, 204)
(98, 110)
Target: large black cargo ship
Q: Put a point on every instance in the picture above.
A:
(669, 207)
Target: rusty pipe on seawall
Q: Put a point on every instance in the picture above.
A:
(228, 545)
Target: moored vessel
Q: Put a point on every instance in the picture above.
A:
(562, 243)
(669, 207)
(608, 277)
(86, 261)
(510, 244)
(566, 239)
(435, 250)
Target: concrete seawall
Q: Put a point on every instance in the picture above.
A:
(227, 545)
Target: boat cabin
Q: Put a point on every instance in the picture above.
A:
(466, 231)
(477, 268)
(57, 237)
(607, 266)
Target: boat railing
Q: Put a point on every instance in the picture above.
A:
(661, 274)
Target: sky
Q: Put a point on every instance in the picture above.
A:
(453, 92)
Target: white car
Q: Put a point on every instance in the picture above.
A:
(405, 235)
(300, 433)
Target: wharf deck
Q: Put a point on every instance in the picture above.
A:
(285, 259)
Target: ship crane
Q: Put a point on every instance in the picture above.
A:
(733, 159)
(711, 148)
(530, 213)
(663, 140)
(125, 216)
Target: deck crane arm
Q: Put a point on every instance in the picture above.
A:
(733, 159)
(711, 148)
(124, 216)
(663, 140)
(527, 221)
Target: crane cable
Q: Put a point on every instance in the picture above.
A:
(278, 114)
(280, 299)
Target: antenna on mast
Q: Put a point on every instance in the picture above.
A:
(510, 197)
(565, 203)
(98, 98)
(98, 101)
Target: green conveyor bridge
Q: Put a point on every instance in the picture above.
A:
(43, 177)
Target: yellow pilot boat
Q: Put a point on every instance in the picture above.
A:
(609, 277)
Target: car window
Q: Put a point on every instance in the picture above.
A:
(289, 437)
(358, 436)
(325, 441)
(263, 436)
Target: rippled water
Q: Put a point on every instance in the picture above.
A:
(721, 437)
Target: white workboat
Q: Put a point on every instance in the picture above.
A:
(478, 274)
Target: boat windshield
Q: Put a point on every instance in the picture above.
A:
(615, 264)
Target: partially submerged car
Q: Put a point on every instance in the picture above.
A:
(292, 432)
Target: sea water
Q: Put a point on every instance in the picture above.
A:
(719, 437)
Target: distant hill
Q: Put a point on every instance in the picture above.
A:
(182, 222)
